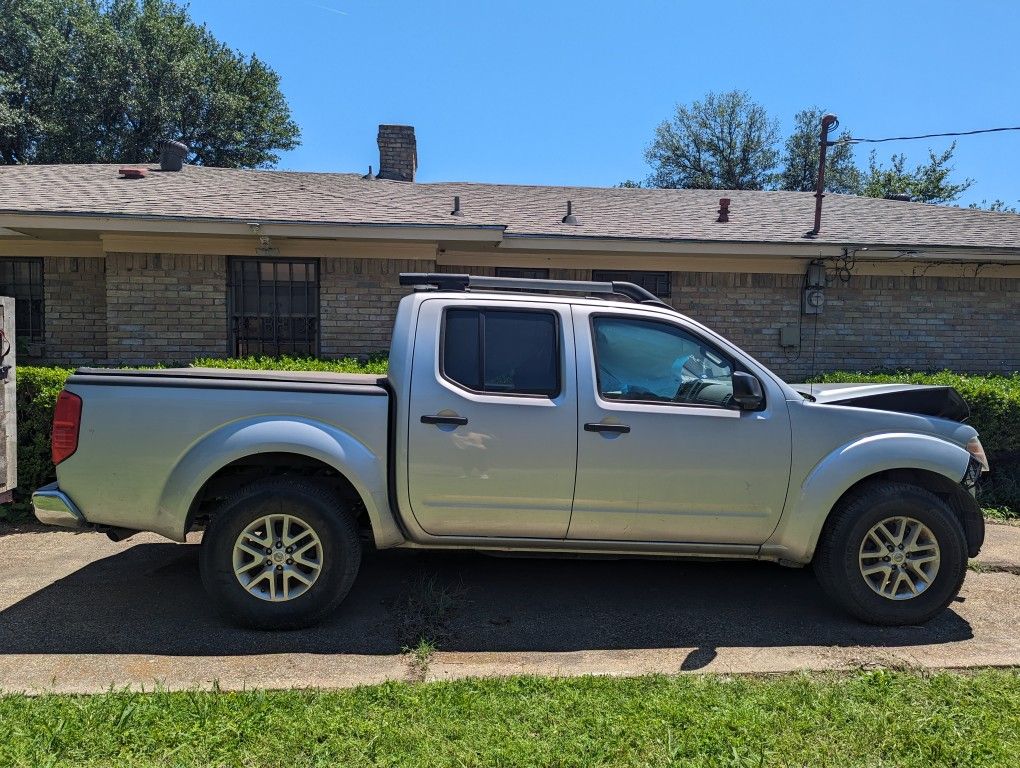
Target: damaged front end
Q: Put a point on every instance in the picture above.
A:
(924, 400)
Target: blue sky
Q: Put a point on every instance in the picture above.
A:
(564, 92)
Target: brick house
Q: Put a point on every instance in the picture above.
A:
(218, 262)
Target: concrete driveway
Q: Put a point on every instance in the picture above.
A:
(81, 613)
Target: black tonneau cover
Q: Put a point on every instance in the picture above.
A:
(944, 402)
(234, 378)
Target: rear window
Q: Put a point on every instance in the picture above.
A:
(502, 351)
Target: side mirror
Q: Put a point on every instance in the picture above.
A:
(747, 392)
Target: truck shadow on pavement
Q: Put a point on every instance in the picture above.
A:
(149, 600)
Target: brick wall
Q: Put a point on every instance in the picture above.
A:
(358, 299)
(74, 292)
(155, 307)
(162, 307)
(924, 323)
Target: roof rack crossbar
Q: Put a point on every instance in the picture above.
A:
(454, 282)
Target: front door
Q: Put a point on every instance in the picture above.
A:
(663, 455)
(492, 435)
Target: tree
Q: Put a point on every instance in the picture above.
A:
(927, 183)
(800, 158)
(999, 206)
(724, 141)
(108, 80)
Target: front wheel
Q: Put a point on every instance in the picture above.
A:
(280, 554)
(892, 554)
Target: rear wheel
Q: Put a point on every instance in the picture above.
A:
(892, 554)
(280, 554)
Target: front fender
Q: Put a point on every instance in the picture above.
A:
(365, 470)
(809, 505)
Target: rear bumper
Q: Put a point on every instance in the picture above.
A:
(53, 507)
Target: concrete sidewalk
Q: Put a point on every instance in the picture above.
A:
(79, 613)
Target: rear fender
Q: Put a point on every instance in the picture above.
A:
(796, 536)
(365, 470)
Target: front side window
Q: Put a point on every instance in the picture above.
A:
(23, 279)
(274, 307)
(648, 361)
(501, 351)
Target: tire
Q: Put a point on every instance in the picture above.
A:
(281, 592)
(851, 545)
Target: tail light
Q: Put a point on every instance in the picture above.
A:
(66, 421)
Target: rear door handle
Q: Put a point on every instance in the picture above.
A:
(619, 429)
(458, 420)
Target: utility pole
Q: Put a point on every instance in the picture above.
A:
(829, 122)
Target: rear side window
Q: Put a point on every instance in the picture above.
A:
(501, 351)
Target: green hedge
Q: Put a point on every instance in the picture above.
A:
(376, 364)
(994, 403)
(38, 388)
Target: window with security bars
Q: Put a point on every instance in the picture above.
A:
(22, 278)
(654, 282)
(526, 273)
(274, 306)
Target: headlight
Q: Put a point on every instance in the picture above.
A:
(976, 450)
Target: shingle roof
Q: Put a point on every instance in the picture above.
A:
(337, 198)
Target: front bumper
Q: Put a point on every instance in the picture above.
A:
(53, 507)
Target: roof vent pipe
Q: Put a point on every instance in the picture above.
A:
(570, 218)
(724, 210)
(829, 123)
(456, 207)
(171, 155)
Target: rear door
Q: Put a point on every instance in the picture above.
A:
(492, 432)
(663, 455)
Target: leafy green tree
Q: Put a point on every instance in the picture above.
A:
(724, 141)
(1000, 206)
(927, 183)
(86, 81)
(629, 184)
(800, 158)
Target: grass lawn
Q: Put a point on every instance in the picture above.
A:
(876, 718)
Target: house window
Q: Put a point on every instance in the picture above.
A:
(655, 282)
(23, 279)
(525, 273)
(274, 307)
(500, 351)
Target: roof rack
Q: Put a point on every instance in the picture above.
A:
(451, 282)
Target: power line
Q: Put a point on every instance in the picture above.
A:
(925, 136)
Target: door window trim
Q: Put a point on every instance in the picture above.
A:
(482, 309)
(735, 364)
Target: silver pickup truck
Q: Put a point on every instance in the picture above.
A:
(526, 416)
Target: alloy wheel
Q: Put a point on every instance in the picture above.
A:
(277, 557)
(899, 558)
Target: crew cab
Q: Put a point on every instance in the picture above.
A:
(525, 416)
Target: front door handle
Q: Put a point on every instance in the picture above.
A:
(619, 429)
(460, 421)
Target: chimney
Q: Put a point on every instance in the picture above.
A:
(398, 152)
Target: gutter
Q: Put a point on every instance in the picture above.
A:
(178, 225)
